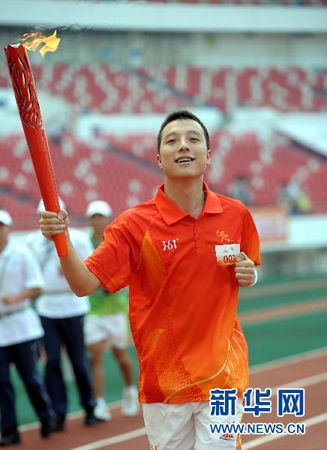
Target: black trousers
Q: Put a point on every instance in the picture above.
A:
(67, 332)
(25, 357)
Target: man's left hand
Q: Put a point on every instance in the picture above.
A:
(244, 270)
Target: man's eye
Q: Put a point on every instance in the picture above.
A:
(194, 140)
(171, 141)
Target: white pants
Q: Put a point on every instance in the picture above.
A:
(186, 427)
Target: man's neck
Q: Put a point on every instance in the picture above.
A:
(96, 237)
(188, 195)
(3, 245)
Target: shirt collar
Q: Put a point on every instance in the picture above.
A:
(171, 213)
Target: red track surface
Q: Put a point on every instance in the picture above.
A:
(308, 371)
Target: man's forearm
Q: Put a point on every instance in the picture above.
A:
(31, 293)
(9, 299)
(80, 279)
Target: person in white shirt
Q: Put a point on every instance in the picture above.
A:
(62, 315)
(20, 329)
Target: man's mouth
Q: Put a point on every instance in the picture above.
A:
(184, 159)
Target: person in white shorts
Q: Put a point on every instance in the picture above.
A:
(107, 325)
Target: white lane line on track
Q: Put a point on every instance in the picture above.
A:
(294, 359)
(303, 382)
(73, 415)
(309, 381)
(113, 440)
(272, 437)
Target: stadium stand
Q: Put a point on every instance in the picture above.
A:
(85, 173)
(159, 89)
(125, 164)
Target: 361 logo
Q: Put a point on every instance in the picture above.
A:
(171, 244)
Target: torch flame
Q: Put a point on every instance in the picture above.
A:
(32, 40)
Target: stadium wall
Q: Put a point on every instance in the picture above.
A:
(166, 17)
(134, 49)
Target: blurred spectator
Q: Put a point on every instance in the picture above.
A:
(294, 199)
(20, 329)
(303, 203)
(241, 190)
(106, 324)
(62, 315)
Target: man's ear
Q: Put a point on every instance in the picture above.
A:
(208, 156)
(159, 160)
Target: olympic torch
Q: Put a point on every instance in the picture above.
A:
(30, 113)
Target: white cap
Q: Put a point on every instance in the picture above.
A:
(40, 207)
(99, 207)
(5, 218)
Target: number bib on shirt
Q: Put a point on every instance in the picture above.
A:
(226, 254)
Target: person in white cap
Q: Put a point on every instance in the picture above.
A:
(20, 329)
(62, 315)
(106, 324)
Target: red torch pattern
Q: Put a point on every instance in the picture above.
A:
(30, 114)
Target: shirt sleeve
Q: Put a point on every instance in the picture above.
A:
(114, 260)
(32, 275)
(250, 243)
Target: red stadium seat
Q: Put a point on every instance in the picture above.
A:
(125, 172)
(160, 89)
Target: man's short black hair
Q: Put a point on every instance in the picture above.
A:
(182, 115)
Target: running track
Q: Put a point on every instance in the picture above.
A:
(308, 370)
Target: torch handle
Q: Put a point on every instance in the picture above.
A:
(60, 242)
(30, 113)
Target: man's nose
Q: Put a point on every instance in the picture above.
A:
(183, 145)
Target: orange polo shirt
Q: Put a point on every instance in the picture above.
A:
(183, 302)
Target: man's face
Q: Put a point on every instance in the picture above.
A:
(183, 150)
(98, 223)
(4, 233)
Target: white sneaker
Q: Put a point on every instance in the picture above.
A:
(101, 410)
(130, 404)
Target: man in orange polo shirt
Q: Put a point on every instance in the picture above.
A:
(183, 254)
